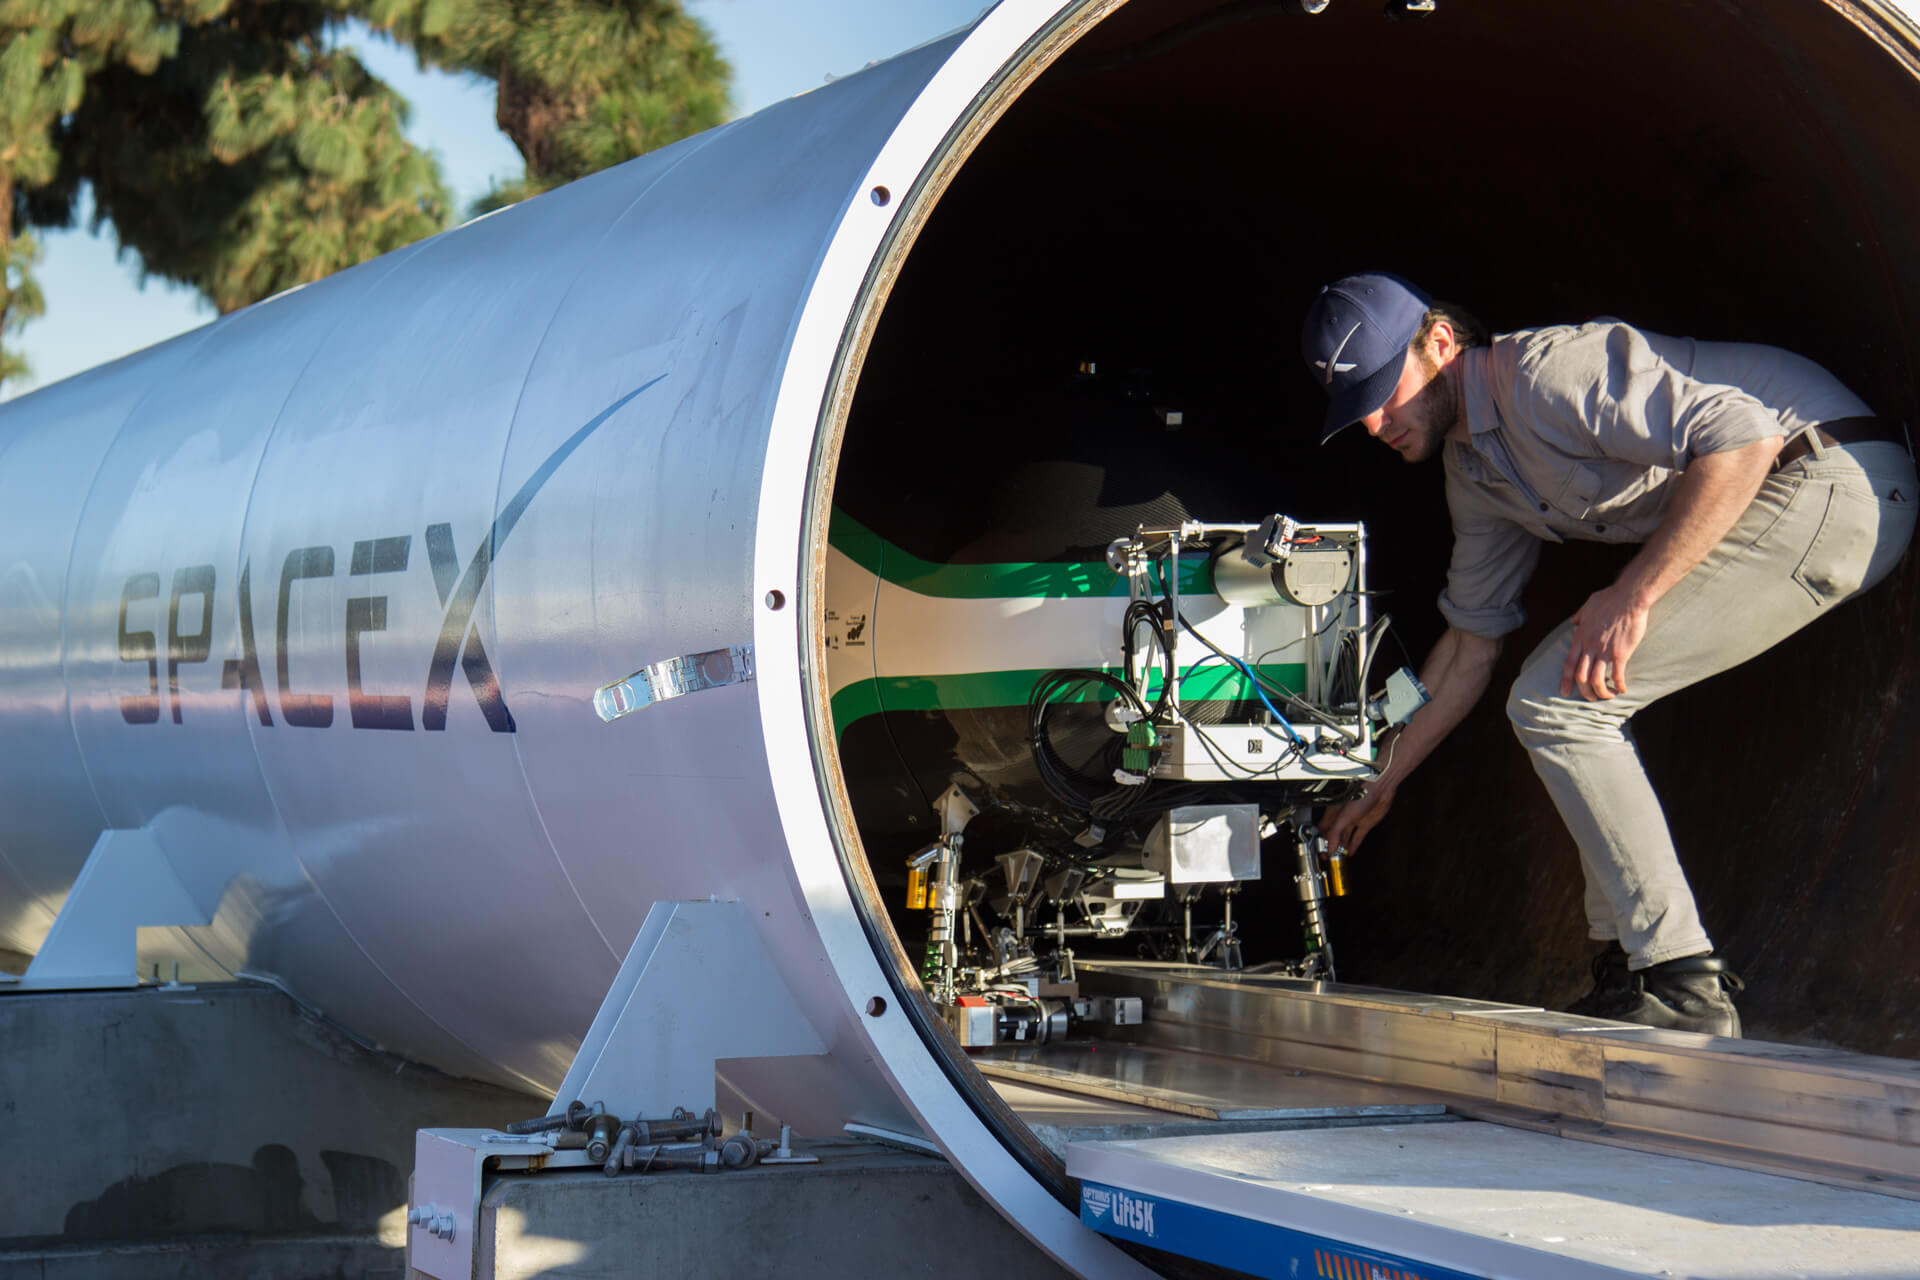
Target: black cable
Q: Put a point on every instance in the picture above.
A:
(1145, 613)
(1068, 785)
(1294, 700)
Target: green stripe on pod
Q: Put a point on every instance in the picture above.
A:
(1078, 579)
(974, 690)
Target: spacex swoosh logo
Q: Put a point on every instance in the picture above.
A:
(458, 624)
(1332, 363)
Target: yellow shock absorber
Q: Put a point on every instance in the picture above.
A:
(916, 887)
(1337, 874)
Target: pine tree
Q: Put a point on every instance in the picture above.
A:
(583, 84)
(48, 48)
(235, 146)
(256, 158)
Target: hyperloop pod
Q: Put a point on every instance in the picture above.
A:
(303, 613)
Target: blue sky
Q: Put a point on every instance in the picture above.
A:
(97, 309)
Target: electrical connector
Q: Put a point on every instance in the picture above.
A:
(1142, 739)
(1404, 696)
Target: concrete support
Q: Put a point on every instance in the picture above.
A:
(135, 1120)
(863, 1210)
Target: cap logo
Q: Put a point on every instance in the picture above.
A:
(1332, 363)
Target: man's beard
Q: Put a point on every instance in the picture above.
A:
(1436, 408)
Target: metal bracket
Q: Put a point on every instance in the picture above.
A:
(653, 1046)
(448, 1168)
(660, 1029)
(674, 678)
(126, 885)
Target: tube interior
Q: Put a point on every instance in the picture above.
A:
(1141, 234)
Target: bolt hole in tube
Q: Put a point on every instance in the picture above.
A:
(876, 1006)
(881, 196)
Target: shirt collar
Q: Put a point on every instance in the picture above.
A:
(1476, 391)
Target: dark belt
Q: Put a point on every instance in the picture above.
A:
(1839, 432)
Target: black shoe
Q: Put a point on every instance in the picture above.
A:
(1693, 993)
(1611, 983)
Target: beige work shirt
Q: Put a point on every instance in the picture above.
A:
(1578, 431)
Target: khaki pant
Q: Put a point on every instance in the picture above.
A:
(1823, 528)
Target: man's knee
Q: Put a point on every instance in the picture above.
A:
(1534, 700)
(1542, 718)
(1526, 709)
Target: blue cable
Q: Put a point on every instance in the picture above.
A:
(1244, 668)
(1255, 680)
(1257, 689)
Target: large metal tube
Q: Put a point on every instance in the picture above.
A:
(316, 597)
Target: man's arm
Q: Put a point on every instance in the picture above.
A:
(1456, 674)
(1708, 499)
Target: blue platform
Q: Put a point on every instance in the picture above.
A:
(1476, 1201)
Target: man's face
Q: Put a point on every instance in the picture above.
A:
(1423, 408)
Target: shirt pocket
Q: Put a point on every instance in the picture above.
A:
(1579, 491)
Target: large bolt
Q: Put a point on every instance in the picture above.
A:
(433, 1219)
(600, 1134)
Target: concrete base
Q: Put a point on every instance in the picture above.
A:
(287, 1258)
(217, 1130)
(863, 1210)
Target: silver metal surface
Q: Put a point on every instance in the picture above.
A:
(1833, 1115)
(1205, 844)
(379, 602)
(1485, 1200)
(1204, 1087)
(674, 678)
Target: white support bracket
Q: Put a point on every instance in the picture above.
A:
(126, 885)
(697, 987)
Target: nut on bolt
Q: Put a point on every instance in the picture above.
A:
(601, 1130)
(436, 1221)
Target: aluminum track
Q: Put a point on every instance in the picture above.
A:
(1246, 1047)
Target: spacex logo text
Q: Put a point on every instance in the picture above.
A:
(458, 643)
(196, 585)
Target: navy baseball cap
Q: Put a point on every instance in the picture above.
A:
(1355, 343)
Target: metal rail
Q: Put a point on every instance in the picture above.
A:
(1825, 1115)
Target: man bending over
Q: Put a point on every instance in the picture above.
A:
(1761, 491)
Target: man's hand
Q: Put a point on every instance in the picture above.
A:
(1345, 825)
(1708, 500)
(1456, 674)
(1606, 631)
